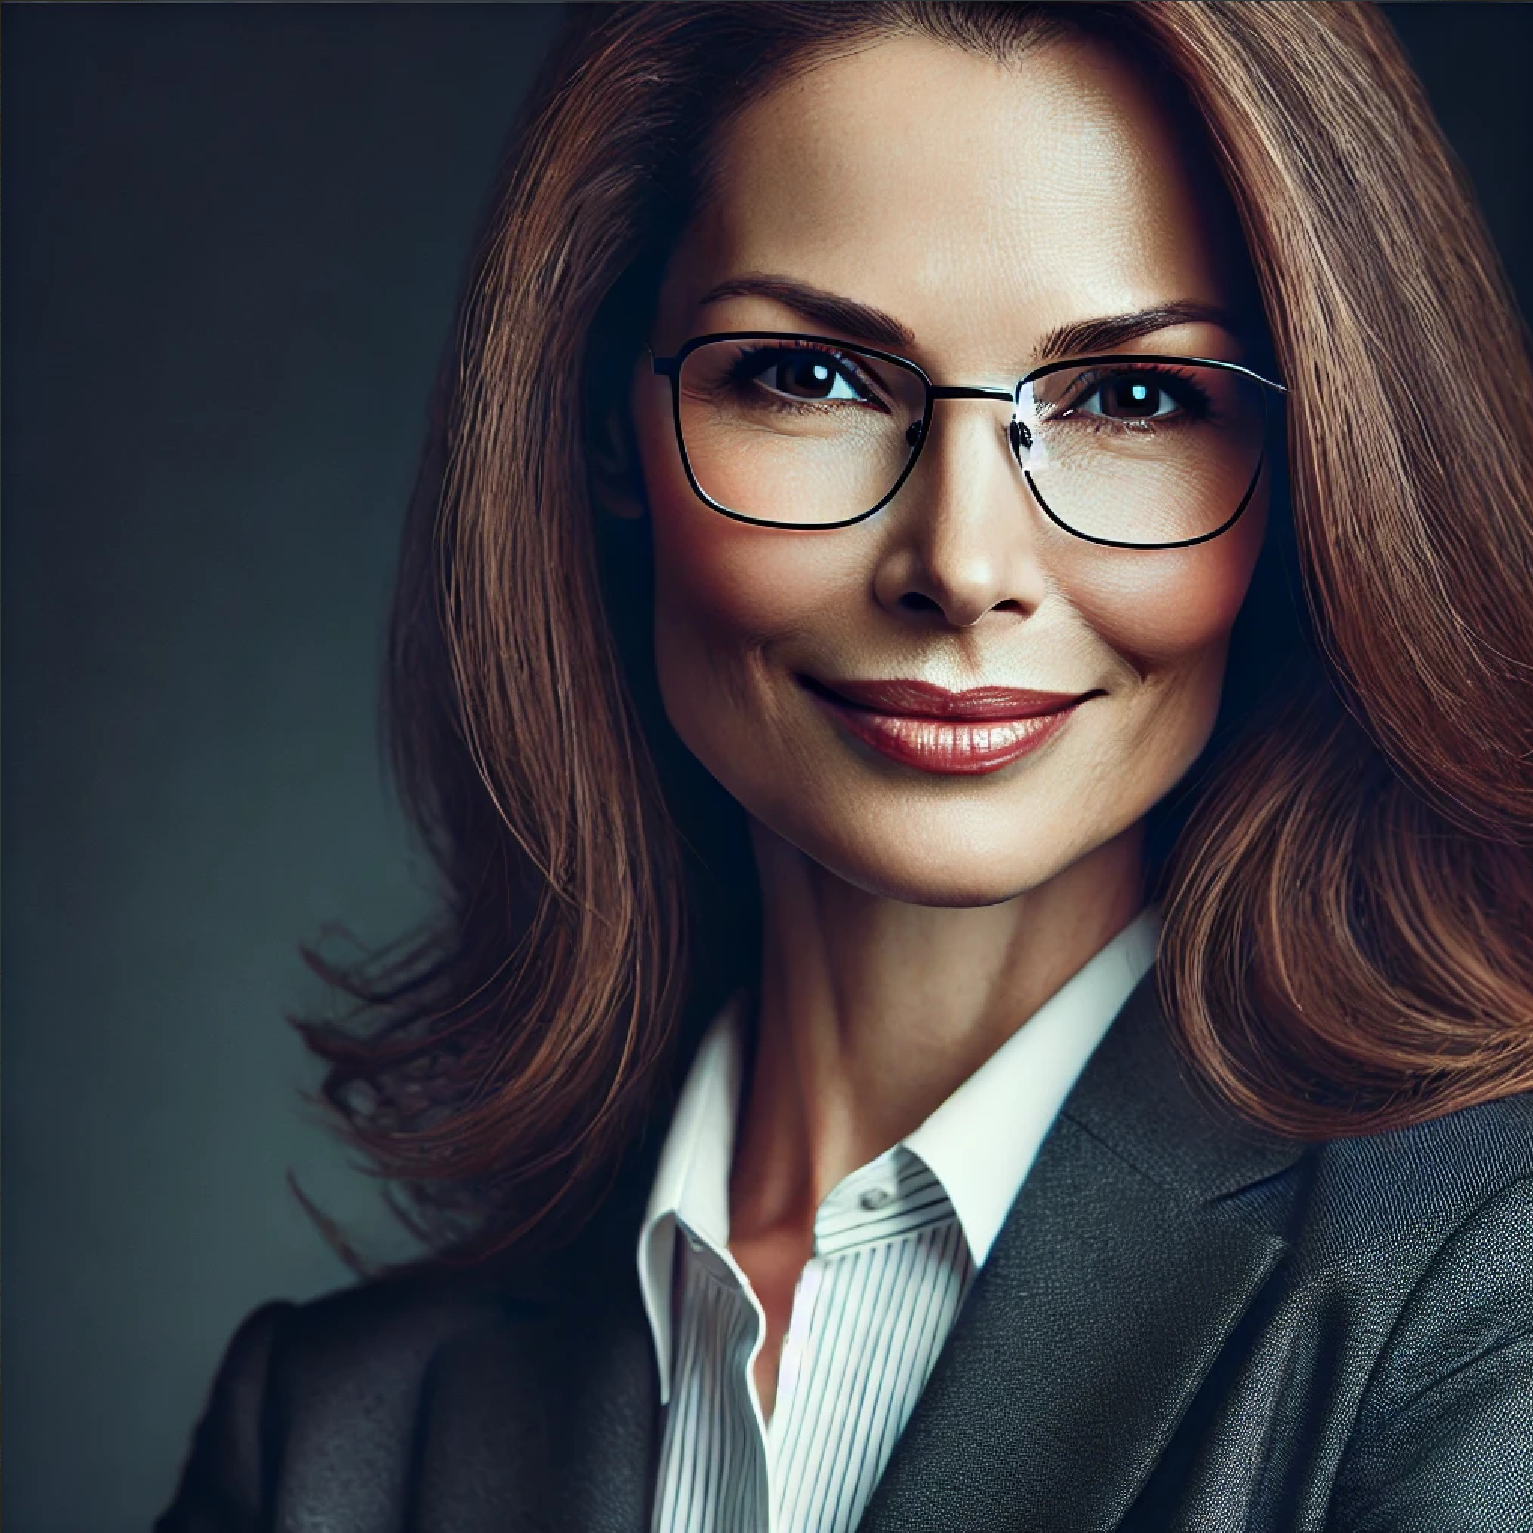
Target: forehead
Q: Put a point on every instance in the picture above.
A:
(960, 192)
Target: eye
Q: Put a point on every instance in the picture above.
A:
(1140, 396)
(803, 374)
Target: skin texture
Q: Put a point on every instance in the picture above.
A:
(913, 920)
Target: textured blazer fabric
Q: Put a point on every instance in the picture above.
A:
(1180, 1327)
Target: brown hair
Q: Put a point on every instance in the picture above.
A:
(1348, 896)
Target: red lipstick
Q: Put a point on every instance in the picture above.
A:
(961, 733)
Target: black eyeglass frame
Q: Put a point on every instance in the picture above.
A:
(670, 367)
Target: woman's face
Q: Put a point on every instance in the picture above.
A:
(982, 210)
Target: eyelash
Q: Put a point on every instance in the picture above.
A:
(754, 361)
(1193, 402)
(1191, 399)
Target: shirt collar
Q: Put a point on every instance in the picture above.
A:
(980, 1143)
(692, 1177)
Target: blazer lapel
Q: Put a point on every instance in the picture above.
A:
(1109, 1292)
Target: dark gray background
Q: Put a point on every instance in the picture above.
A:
(232, 240)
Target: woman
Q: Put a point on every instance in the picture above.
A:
(1069, 470)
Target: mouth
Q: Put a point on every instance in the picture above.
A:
(948, 733)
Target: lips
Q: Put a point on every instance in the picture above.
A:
(928, 727)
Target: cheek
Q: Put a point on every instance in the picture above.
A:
(1168, 611)
(1168, 616)
(724, 590)
(725, 593)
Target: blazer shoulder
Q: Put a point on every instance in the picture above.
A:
(336, 1381)
(222, 1481)
(1442, 1431)
(390, 1325)
(1425, 1181)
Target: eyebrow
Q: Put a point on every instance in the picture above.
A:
(1083, 337)
(824, 308)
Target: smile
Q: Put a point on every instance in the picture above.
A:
(950, 733)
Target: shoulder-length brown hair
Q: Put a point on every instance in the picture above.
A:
(1349, 908)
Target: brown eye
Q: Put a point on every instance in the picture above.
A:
(1141, 396)
(1130, 398)
(808, 375)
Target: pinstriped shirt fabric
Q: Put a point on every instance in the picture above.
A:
(896, 1247)
(872, 1309)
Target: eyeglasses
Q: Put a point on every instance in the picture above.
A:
(1129, 451)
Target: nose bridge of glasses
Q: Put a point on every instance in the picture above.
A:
(963, 391)
(936, 391)
(965, 431)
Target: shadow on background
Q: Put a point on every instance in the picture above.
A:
(233, 236)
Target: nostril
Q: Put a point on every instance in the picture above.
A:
(919, 601)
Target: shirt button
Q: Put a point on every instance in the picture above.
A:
(874, 1199)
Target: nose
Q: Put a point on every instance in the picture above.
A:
(963, 540)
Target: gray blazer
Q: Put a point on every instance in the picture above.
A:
(1181, 1327)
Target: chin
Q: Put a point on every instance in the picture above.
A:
(930, 867)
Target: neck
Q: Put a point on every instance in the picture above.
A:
(872, 1012)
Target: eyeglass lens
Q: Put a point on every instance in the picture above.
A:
(798, 433)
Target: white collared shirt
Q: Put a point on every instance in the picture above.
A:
(896, 1245)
